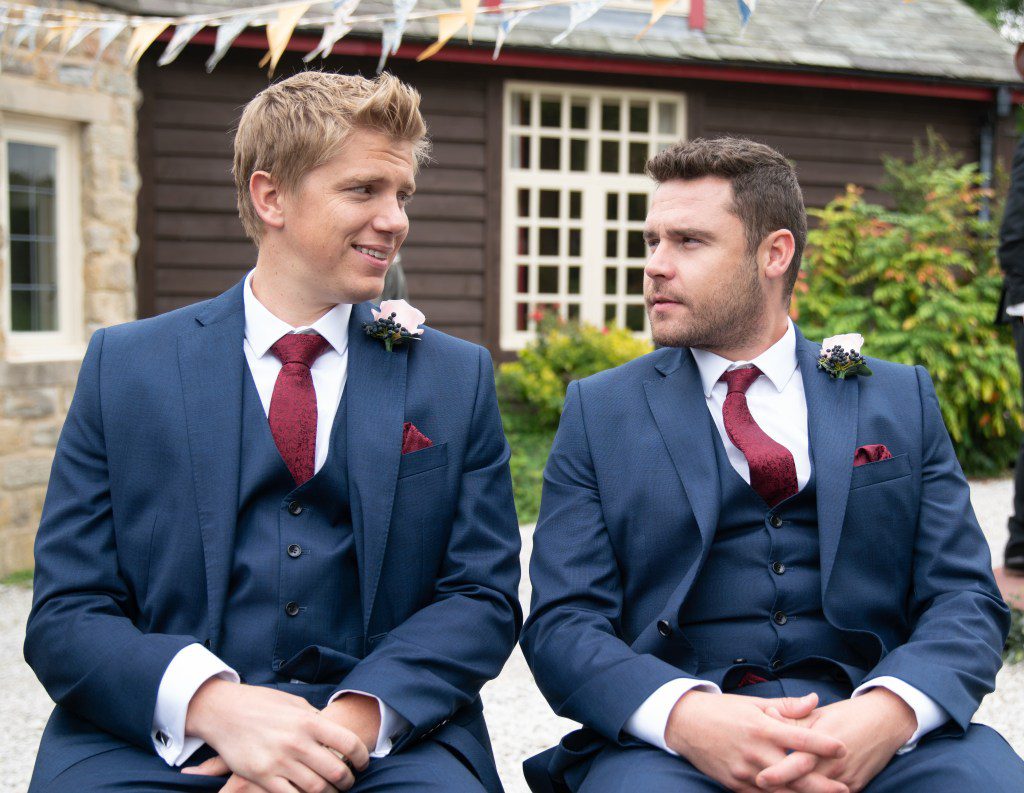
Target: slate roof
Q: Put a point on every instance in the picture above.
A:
(933, 39)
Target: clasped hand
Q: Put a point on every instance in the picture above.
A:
(789, 745)
(276, 742)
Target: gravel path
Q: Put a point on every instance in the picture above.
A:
(520, 721)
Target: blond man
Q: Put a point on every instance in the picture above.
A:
(279, 550)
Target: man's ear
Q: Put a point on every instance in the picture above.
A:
(266, 199)
(776, 253)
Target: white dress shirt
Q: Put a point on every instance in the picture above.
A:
(778, 404)
(1016, 310)
(194, 664)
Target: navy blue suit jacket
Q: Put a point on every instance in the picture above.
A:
(134, 550)
(629, 511)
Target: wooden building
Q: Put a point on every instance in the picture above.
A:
(536, 196)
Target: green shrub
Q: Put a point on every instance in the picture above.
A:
(533, 387)
(921, 282)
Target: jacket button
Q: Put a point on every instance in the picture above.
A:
(777, 567)
(291, 608)
(664, 628)
(739, 660)
(295, 508)
(777, 663)
(294, 551)
(775, 521)
(780, 618)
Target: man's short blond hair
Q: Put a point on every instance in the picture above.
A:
(298, 124)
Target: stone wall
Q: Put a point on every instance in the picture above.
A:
(100, 99)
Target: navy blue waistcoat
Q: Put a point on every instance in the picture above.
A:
(294, 578)
(756, 605)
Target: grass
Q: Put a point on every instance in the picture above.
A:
(21, 578)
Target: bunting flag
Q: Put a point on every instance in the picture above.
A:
(469, 8)
(337, 29)
(817, 5)
(578, 14)
(109, 32)
(391, 38)
(182, 35)
(27, 30)
(227, 32)
(747, 9)
(279, 33)
(76, 37)
(508, 21)
(447, 26)
(144, 35)
(658, 9)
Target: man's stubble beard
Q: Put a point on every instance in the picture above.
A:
(729, 318)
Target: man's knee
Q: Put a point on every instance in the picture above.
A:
(629, 769)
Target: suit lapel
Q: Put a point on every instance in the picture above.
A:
(211, 362)
(832, 430)
(680, 410)
(375, 388)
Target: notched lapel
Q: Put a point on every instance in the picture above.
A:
(211, 362)
(832, 429)
(375, 388)
(680, 410)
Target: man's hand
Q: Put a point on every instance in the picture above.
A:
(276, 741)
(873, 727)
(731, 738)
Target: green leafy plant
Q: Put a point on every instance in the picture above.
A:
(1013, 651)
(534, 385)
(921, 282)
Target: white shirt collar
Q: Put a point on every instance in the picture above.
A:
(777, 363)
(263, 329)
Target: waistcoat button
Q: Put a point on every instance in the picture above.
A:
(295, 508)
(776, 521)
(778, 568)
(291, 608)
(294, 551)
(664, 628)
(780, 618)
(776, 663)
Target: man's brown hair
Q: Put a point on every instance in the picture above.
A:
(766, 196)
(298, 124)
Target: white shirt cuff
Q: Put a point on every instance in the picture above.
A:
(187, 671)
(650, 720)
(930, 715)
(1016, 310)
(392, 723)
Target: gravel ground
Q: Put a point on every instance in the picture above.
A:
(520, 721)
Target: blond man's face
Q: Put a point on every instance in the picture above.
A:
(346, 220)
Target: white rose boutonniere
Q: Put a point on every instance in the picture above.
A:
(395, 322)
(840, 356)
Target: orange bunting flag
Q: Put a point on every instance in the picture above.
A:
(144, 35)
(469, 12)
(279, 33)
(447, 26)
(658, 9)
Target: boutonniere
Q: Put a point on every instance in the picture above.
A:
(394, 323)
(840, 356)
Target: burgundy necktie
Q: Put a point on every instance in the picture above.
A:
(293, 403)
(772, 470)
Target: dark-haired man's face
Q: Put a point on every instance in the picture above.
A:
(701, 285)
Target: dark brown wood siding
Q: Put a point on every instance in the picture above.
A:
(192, 245)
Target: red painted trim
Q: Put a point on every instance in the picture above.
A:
(697, 16)
(252, 39)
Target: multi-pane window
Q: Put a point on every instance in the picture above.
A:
(575, 201)
(40, 221)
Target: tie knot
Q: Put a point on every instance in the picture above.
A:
(303, 348)
(739, 380)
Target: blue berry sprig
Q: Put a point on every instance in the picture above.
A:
(840, 363)
(389, 331)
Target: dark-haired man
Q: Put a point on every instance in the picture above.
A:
(749, 571)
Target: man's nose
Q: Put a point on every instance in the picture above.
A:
(391, 219)
(659, 265)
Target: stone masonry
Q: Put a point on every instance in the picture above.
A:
(100, 98)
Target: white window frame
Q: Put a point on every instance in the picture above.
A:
(67, 342)
(591, 182)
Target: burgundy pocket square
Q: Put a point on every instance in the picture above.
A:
(413, 440)
(874, 453)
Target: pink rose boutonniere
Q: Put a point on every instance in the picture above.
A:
(394, 323)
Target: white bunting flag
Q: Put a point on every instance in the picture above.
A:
(182, 35)
(508, 21)
(227, 32)
(142, 37)
(75, 37)
(336, 30)
(578, 14)
(28, 29)
(108, 32)
(391, 38)
(747, 9)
